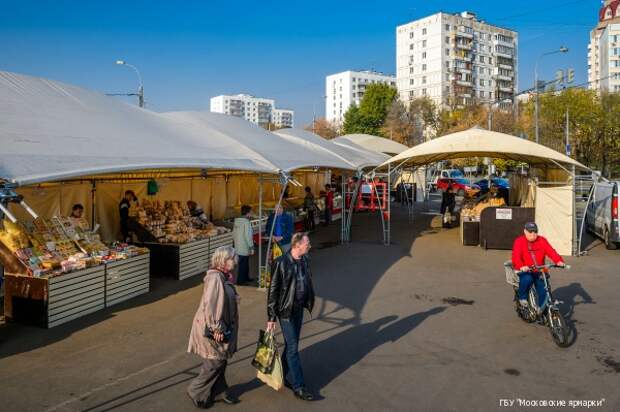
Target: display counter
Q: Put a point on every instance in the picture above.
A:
(52, 301)
(500, 226)
(181, 261)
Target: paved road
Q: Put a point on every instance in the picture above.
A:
(425, 324)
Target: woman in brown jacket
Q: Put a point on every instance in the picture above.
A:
(217, 316)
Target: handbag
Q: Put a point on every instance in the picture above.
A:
(266, 352)
(274, 379)
(209, 334)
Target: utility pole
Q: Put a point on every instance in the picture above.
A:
(567, 147)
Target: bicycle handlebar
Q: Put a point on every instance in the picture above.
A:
(554, 266)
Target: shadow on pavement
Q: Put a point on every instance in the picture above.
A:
(326, 360)
(568, 296)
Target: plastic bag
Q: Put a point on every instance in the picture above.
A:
(275, 379)
(265, 354)
(276, 251)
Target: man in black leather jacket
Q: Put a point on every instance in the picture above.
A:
(289, 293)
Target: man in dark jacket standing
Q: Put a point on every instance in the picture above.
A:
(289, 293)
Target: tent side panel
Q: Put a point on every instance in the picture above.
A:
(554, 216)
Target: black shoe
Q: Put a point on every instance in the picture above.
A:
(288, 384)
(230, 399)
(303, 394)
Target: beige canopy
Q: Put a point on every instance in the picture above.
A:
(372, 143)
(478, 142)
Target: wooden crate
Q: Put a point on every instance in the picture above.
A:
(126, 279)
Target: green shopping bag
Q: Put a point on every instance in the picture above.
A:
(266, 352)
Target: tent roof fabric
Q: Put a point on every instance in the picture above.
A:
(53, 131)
(356, 158)
(374, 143)
(478, 142)
(288, 154)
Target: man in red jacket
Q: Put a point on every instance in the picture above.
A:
(528, 251)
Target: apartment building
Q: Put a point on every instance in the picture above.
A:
(347, 88)
(456, 59)
(254, 109)
(604, 49)
(282, 117)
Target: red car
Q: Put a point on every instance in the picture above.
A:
(460, 186)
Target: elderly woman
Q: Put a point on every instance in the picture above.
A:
(214, 331)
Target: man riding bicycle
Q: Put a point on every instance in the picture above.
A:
(529, 251)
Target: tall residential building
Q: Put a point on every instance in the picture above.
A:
(604, 49)
(254, 109)
(347, 88)
(455, 59)
(282, 117)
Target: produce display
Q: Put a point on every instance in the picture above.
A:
(56, 246)
(172, 222)
(471, 212)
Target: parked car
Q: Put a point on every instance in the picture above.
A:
(602, 214)
(499, 182)
(461, 186)
(447, 174)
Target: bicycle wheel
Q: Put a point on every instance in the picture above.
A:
(559, 330)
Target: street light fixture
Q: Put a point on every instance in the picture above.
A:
(140, 93)
(562, 49)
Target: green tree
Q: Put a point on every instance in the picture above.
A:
(370, 117)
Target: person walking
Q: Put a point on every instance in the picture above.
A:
(214, 331)
(290, 292)
(244, 244)
(283, 229)
(329, 204)
(310, 208)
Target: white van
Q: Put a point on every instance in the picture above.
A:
(602, 215)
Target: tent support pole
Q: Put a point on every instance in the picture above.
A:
(93, 206)
(285, 179)
(260, 229)
(585, 214)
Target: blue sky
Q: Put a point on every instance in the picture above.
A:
(189, 51)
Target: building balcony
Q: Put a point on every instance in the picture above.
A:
(505, 66)
(462, 70)
(465, 83)
(464, 46)
(507, 89)
(503, 43)
(505, 55)
(507, 78)
(460, 33)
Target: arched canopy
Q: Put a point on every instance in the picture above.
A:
(373, 143)
(357, 158)
(478, 142)
(51, 131)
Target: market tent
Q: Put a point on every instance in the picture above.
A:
(478, 142)
(52, 131)
(358, 158)
(373, 143)
(288, 154)
(374, 157)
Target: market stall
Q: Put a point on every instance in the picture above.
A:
(546, 195)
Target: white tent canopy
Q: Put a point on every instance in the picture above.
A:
(373, 143)
(286, 153)
(374, 157)
(54, 131)
(478, 142)
(357, 158)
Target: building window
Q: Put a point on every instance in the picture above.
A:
(424, 55)
(424, 31)
(448, 65)
(447, 52)
(423, 92)
(424, 67)
(411, 70)
(481, 82)
(447, 40)
(423, 43)
(411, 93)
(490, 60)
(447, 27)
(411, 35)
(410, 82)
(423, 79)
(411, 46)
(447, 77)
(481, 59)
(481, 93)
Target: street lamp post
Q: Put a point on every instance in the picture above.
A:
(562, 49)
(140, 93)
